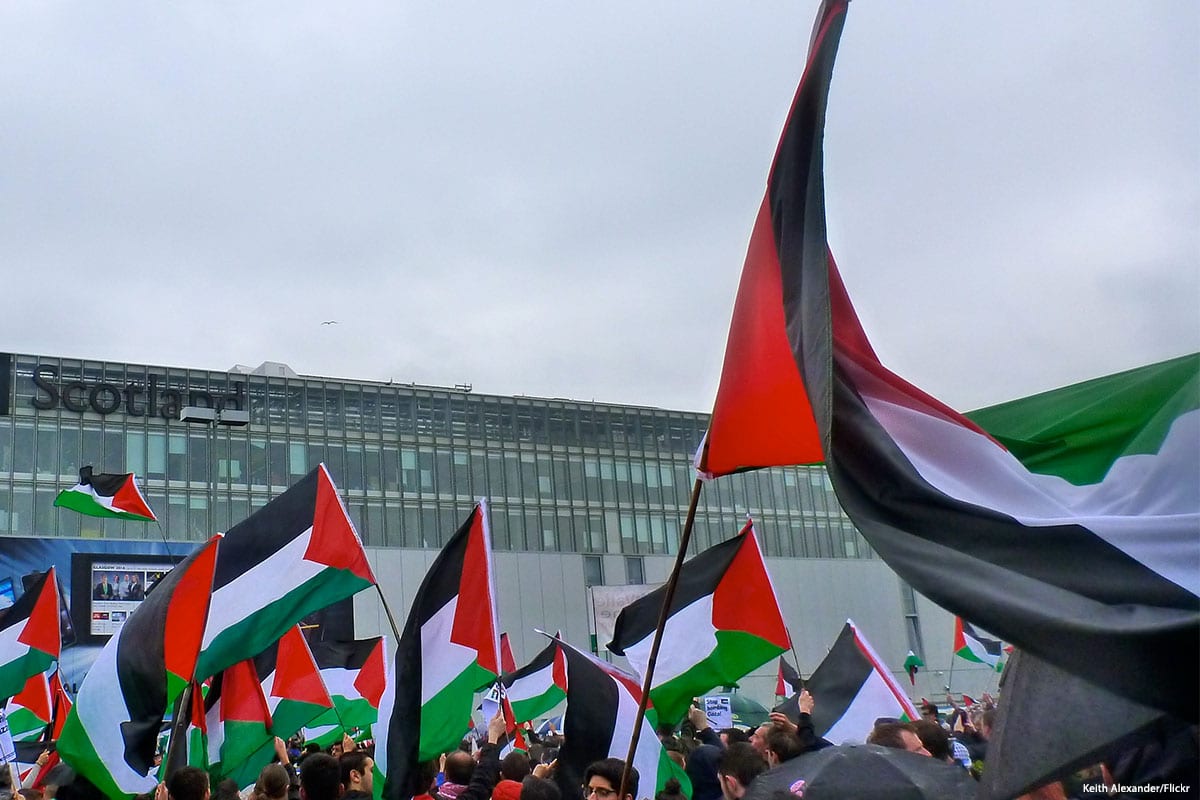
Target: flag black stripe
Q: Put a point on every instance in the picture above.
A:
(838, 680)
(698, 578)
(345, 654)
(592, 703)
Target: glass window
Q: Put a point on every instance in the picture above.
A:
(259, 476)
(23, 450)
(297, 460)
(47, 450)
(135, 453)
(198, 458)
(550, 530)
(372, 473)
(6, 452)
(176, 466)
(391, 470)
(635, 570)
(593, 571)
(354, 467)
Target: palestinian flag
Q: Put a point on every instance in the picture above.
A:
(912, 664)
(971, 646)
(111, 733)
(788, 680)
(853, 688)
(295, 555)
(538, 686)
(602, 705)
(29, 711)
(29, 635)
(449, 650)
(1093, 569)
(724, 622)
(354, 673)
(507, 662)
(106, 495)
(238, 725)
(291, 683)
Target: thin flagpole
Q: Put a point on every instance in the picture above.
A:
(668, 597)
(795, 656)
(179, 721)
(388, 610)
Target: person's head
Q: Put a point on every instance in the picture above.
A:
(335, 749)
(782, 745)
(739, 765)
(539, 789)
(758, 739)
(898, 735)
(603, 780)
(426, 775)
(986, 721)
(731, 735)
(320, 778)
(934, 738)
(672, 790)
(311, 747)
(227, 789)
(357, 772)
(515, 766)
(459, 767)
(272, 783)
(188, 783)
(929, 711)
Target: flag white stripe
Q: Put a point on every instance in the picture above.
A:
(973, 469)
(535, 684)
(689, 631)
(441, 659)
(874, 700)
(260, 586)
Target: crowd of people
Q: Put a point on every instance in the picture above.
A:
(720, 764)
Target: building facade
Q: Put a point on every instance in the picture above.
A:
(599, 491)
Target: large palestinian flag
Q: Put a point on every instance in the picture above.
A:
(724, 622)
(295, 555)
(111, 733)
(602, 705)
(539, 686)
(29, 711)
(104, 495)
(1092, 569)
(291, 684)
(29, 635)
(971, 646)
(853, 688)
(449, 650)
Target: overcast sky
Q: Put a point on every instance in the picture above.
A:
(554, 198)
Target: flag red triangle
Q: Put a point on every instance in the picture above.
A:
(334, 541)
(130, 500)
(296, 674)
(241, 695)
(372, 676)
(507, 662)
(746, 584)
(41, 630)
(474, 626)
(188, 612)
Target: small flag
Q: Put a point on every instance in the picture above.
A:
(105, 495)
(292, 684)
(539, 686)
(507, 662)
(971, 646)
(788, 680)
(28, 712)
(912, 663)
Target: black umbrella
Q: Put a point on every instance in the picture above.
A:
(865, 772)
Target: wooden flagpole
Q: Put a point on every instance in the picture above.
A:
(669, 595)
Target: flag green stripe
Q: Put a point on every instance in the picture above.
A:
(355, 712)
(290, 716)
(83, 502)
(444, 717)
(14, 674)
(736, 655)
(80, 755)
(25, 725)
(1079, 431)
(258, 631)
(247, 748)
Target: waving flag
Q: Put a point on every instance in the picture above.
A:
(724, 622)
(29, 635)
(971, 646)
(104, 495)
(238, 725)
(539, 686)
(507, 662)
(853, 688)
(111, 733)
(602, 704)
(60, 705)
(449, 650)
(788, 680)
(291, 683)
(912, 665)
(295, 555)
(28, 712)
(354, 673)
(1099, 578)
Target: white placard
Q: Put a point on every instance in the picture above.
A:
(719, 711)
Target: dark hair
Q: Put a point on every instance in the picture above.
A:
(672, 790)
(733, 735)
(740, 760)
(355, 760)
(934, 737)
(187, 783)
(459, 767)
(539, 789)
(610, 769)
(888, 734)
(515, 766)
(425, 774)
(321, 778)
(784, 744)
(273, 781)
(227, 789)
